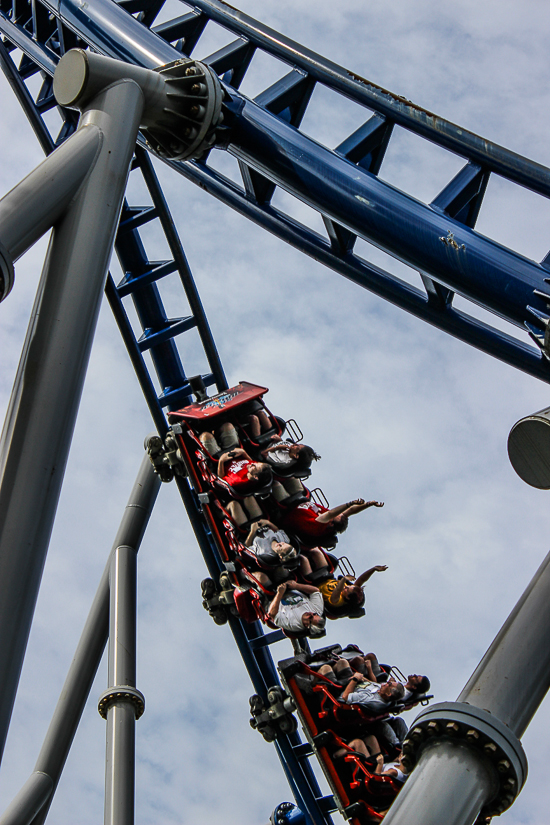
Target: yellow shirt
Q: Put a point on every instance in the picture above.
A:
(327, 588)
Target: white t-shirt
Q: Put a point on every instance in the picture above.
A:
(280, 456)
(366, 694)
(265, 537)
(293, 607)
(401, 777)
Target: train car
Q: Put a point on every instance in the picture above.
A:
(362, 795)
(242, 592)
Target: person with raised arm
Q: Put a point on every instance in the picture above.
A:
(316, 525)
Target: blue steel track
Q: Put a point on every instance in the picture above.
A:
(438, 240)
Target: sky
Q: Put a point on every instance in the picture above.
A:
(399, 411)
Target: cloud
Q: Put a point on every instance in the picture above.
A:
(398, 410)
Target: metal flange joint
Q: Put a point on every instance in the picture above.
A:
(482, 732)
(119, 694)
(182, 100)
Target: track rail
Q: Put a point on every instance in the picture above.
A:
(437, 239)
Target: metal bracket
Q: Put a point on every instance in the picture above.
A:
(166, 456)
(219, 603)
(277, 717)
(481, 731)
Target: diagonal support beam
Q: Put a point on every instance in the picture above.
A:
(288, 99)
(366, 148)
(33, 801)
(232, 61)
(186, 30)
(367, 145)
(461, 199)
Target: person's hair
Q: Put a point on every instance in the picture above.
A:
(263, 474)
(317, 629)
(305, 456)
(423, 686)
(341, 524)
(356, 597)
(397, 691)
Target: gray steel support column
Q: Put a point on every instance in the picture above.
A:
(121, 703)
(39, 200)
(30, 799)
(42, 783)
(40, 420)
(514, 675)
(451, 785)
(505, 689)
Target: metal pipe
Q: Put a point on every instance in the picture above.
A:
(38, 201)
(40, 420)
(521, 647)
(497, 279)
(398, 110)
(498, 690)
(121, 703)
(113, 31)
(451, 784)
(464, 327)
(85, 663)
(122, 613)
(422, 237)
(29, 801)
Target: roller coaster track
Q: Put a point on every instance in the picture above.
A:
(438, 240)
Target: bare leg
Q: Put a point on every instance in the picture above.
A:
(343, 669)
(265, 421)
(278, 491)
(372, 744)
(293, 485)
(252, 507)
(376, 669)
(358, 745)
(255, 428)
(317, 557)
(326, 670)
(237, 513)
(305, 566)
(264, 580)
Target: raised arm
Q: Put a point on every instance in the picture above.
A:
(276, 603)
(347, 509)
(364, 577)
(337, 592)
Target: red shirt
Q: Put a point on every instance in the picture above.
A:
(302, 520)
(236, 474)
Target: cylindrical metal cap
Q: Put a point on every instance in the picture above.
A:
(529, 449)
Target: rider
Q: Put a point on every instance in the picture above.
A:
(316, 525)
